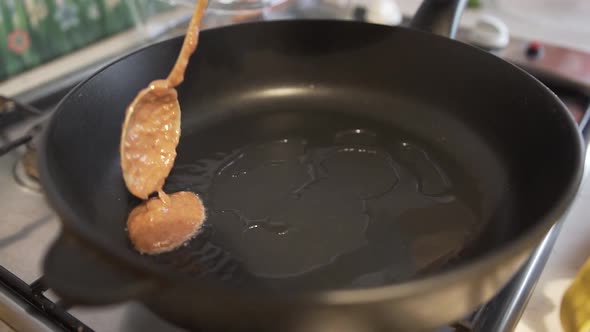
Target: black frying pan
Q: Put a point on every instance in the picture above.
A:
(353, 173)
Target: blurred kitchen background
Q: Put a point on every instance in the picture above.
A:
(48, 46)
(41, 40)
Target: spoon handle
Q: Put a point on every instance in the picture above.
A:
(188, 46)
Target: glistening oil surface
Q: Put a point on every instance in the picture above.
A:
(324, 204)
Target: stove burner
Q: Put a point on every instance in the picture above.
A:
(25, 171)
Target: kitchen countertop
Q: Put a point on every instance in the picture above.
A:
(567, 26)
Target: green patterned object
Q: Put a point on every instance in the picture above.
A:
(12, 38)
(3, 45)
(33, 32)
(474, 3)
(148, 8)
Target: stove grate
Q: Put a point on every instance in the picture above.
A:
(33, 295)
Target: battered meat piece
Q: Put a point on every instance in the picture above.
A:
(151, 129)
(149, 139)
(150, 135)
(159, 225)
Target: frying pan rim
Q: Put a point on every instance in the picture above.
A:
(72, 222)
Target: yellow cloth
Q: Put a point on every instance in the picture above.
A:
(575, 304)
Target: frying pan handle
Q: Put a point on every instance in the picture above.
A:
(85, 277)
(440, 17)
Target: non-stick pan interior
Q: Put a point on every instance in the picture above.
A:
(325, 163)
(305, 191)
(323, 197)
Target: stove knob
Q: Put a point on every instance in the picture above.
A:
(534, 50)
(489, 33)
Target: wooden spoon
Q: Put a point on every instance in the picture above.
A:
(151, 129)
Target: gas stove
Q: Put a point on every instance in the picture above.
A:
(29, 226)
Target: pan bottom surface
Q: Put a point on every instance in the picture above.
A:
(321, 200)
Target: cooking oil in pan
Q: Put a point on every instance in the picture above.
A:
(343, 208)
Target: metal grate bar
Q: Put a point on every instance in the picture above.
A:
(33, 295)
(14, 144)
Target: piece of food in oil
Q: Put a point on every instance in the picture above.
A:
(156, 227)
